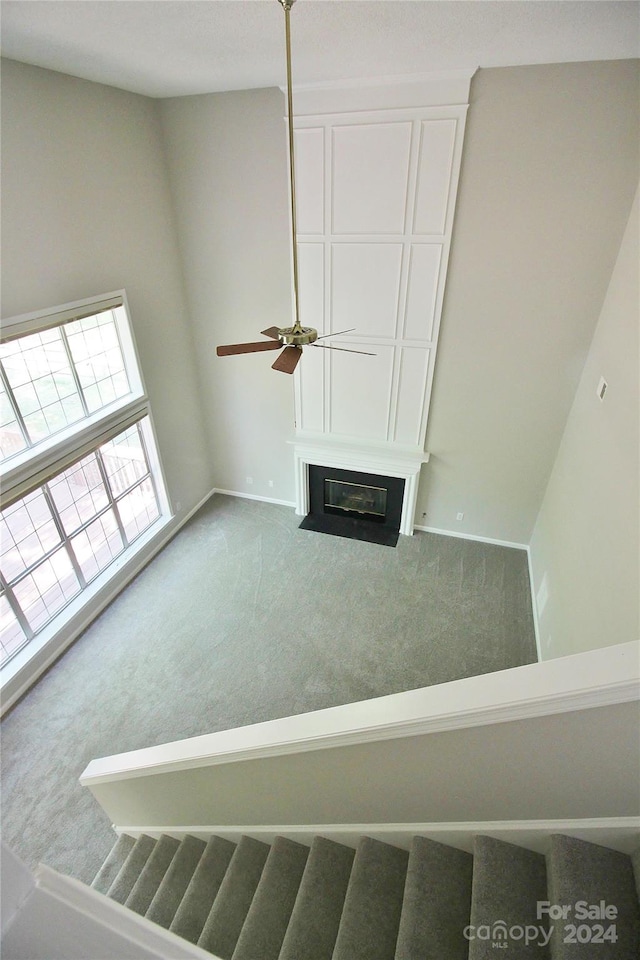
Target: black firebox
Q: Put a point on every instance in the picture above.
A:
(360, 506)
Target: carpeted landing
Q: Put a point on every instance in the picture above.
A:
(327, 901)
(244, 617)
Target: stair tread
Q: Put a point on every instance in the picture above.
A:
(113, 863)
(289, 902)
(151, 875)
(373, 903)
(198, 899)
(584, 871)
(224, 923)
(131, 868)
(173, 886)
(266, 922)
(313, 927)
(508, 881)
(437, 903)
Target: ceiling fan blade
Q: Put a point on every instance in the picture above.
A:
(325, 346)
(288, 360)
(271, 332)
(336, 334)
(231, 349)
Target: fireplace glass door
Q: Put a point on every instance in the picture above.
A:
(355, 499)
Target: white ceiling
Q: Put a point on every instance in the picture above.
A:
(165, 48)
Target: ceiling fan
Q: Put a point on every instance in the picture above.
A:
(294, 338)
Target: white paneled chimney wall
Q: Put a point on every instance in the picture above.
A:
(377, 169)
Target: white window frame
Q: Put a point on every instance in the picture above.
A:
(28, 469)
(23, 472)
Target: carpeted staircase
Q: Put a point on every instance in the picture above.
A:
(288, 901)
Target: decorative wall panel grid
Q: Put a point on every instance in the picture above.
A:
(370, 168)
(365, 283)
(376, 194)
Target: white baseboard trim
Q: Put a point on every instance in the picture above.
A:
(444, 533)
(471, 536)
(619, 833)
(17, 683)
(253, 496)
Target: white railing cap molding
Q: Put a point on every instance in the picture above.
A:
(593, 679)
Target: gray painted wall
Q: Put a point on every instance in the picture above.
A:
(549, 171)
(227, 163)
(86, 210)
(585, 549)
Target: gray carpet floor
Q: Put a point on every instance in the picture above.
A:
(244, 617)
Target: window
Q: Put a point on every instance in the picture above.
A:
(81, 480)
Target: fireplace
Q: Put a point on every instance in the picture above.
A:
(364, 459)
(360, 506)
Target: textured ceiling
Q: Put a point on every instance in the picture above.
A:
(165, 48)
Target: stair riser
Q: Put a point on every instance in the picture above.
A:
(618, 833)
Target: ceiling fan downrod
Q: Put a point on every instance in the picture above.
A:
(297, 334)
(293, 338)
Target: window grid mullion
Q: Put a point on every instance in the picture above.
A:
(112, 499)
(17, 609)
(14, 406)
(34, 566)
(149, 474)
(47, 556)
(129, 490)
(66, 538)
(123, 354)
(63, 536)
(74, 372)
(87, 523)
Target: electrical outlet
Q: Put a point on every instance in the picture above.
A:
(270, 482)
(459, 516)
(249, 481)
(178, 506)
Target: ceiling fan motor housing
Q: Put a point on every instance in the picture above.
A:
(297, 336)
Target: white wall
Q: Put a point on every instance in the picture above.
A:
(495, 772)
(16, 883)
(227, 165)
(549, 170)
(54, 916)
(86, 210)
(585, 548)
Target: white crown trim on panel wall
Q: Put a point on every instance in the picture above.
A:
(383, 93)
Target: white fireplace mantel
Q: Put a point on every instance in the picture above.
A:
(381, 459)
